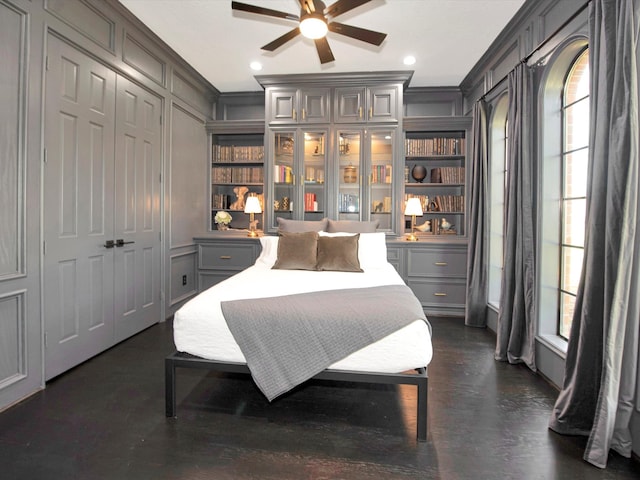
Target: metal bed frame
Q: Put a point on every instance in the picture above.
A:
(185, 360)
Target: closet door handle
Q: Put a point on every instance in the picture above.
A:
(121, 243)
(359, 112)
(294, 114)
(304, 114)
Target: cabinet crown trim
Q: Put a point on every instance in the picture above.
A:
(337, 79)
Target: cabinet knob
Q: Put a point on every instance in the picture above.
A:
(440, 264)
(304, 114)
(359, 112)
(294, 114)
(370, 112)
(225, 257)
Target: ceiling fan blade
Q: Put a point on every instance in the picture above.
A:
(343, 6)
(282, 40)
(369, 36)
(324, 50)
(263, 11)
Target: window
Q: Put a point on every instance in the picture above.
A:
(497, 186)
(564, 147)
(575, 152)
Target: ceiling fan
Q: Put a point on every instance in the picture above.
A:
(314, 21)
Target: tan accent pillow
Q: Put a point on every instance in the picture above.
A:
(287, 225)
(352, 226)
(338, 254)
(297, 251)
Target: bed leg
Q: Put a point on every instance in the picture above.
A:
(422, 409)
(170, 387)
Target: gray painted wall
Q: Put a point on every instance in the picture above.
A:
(105, 31)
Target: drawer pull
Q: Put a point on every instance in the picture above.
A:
(438, 294)
(225, 257)
(440, 264)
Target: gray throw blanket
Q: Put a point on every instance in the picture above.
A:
(289, 339)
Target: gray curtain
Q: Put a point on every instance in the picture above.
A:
(516, 326)
(477, 262)
(599, 389)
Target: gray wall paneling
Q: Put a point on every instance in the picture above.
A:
(106, 31)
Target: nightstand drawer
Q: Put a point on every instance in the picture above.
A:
(448, 263)
(225, 257)
(438, 293)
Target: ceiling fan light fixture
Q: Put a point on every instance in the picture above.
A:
(313, 26)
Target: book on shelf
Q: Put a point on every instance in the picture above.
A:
(237, 175)
(425, 147)
(238, 153)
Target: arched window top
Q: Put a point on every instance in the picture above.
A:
(577, 83)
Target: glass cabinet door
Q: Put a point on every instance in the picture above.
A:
(284, 148)
(380, 177)
(349, 174)
(314, 161)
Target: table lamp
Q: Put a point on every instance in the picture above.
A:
(252, 206)
(413, 208)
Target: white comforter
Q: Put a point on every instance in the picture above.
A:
(200, 328)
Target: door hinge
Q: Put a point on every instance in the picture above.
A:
(160, 119)
(160, 236)
(45, 339)
(160, 177)
(44, 248)
(44, 155)
(46, 62)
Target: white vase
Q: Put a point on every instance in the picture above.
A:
(223, 226)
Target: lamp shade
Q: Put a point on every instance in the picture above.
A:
(413, 207)
(252, 205)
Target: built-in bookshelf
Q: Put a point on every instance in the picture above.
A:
(237, 171)
(435, 172)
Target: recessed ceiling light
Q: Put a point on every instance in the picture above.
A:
(255, 66)
(409, 60)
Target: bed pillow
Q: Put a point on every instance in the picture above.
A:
(372, 248)
(286, 225)
(297, 251)
(269, 253)
(352, 226)
(339, 254)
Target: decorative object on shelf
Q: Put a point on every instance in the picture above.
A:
(425, 227)
(240, 193)
(444, 224)
(285, 204)
(419, 173)
(222, 219)
(252, 207)
(350, 174)
(436, 175)
(414, 209)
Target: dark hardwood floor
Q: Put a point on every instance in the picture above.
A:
(105, 420)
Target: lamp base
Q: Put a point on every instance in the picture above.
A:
(412, 238)
(252, 233)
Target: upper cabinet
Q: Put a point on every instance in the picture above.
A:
(378, 104)
(298, 105)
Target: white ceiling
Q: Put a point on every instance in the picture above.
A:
(447, 37)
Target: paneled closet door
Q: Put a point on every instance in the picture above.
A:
(137, 209)
(78, 175)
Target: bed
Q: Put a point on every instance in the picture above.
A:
(204, 338)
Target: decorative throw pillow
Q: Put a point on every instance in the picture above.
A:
(297, 251)
(338, 253)
(286, 225)
(372, 248)
(352, 226)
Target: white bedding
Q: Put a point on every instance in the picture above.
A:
(200, 328)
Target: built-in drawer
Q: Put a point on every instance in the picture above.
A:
(438, 293)
(225, 256)
(440, 263)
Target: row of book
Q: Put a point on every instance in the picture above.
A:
(381, 174)
(439, 203)
(234, 153)
(221, 201)
(447, 175)
(381, 206)
(424, 147)
(310, 202)
(237, 175)
(282, 174)
(348, 203)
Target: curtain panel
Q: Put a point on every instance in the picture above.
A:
(516, 320)
(599, 388)
(477, 249)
